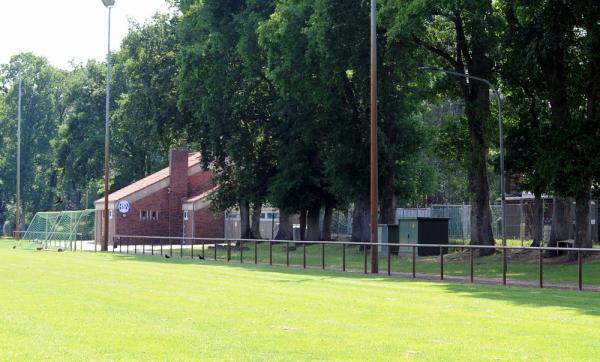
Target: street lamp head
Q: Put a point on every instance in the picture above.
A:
(108, 3)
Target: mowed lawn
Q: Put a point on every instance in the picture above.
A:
(86, 306)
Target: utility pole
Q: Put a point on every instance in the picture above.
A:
(18, 212)
(374, 171)
(104, 245)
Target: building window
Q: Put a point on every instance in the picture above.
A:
(272, 216)
(143, 215)
(110, 214)
(185, 215)
(154, 215)
(232, 216)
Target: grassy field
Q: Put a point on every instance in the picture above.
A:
(86, 306)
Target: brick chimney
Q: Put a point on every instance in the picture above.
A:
(178, 188)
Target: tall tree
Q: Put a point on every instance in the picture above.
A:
(42, 112)
(462, 35)
(228, 98)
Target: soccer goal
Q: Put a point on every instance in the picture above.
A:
(61, 229)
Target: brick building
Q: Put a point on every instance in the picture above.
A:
(171, 202)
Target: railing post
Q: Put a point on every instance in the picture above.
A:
(287, 254)
(365, 257)
(171, 246)
(181, 248)
(192, 253)
(143, 247)
(161, 247)
(255, 251)
(304, 255)
(127, 247)
(414, 261)
(504, 262)
(541, 268)
(389, 260)
(215, 250)
(323, 256)
(203, 247)
(270, 252)
(241, 252)
(580, 269)
(344, 257)
(441, 263)
(135, 247)
(228, 251)
(152, 245)
(471, 260)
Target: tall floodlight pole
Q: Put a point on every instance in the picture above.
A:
(18, 210)
(104, 245)
(501, 136)
(374, 172)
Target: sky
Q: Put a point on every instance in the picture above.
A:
(65, 30)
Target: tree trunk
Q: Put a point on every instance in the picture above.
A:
(582, 222)
(388, 201)
(313, 230)
(255, 225)
(285, 231)
(476, 111)
(303, 224)
(562, 225)
(245, 231)
(538, 220)
(327, 221)
(360, 221)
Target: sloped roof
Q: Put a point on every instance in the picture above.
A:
(193, 160)
(199, 196)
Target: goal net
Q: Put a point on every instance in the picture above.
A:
(61, 229)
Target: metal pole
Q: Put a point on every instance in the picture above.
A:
(18, 214)
(580, 270)
(344, 257)
(374, 171)
(441, 263)
(541, 255)
(104, 246)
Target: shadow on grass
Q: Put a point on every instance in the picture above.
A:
(584, 302)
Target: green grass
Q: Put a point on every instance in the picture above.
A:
(93, 306)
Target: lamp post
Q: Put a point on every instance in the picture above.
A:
(19, 66)
(104, 245)
(501, 136)
(374, 171)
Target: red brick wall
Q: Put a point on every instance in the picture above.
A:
(178, 189)
(131, 224)
(208, 225)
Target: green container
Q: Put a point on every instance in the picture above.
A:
(423, 230)
(388, 233)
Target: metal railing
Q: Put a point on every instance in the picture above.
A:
(158, 245)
